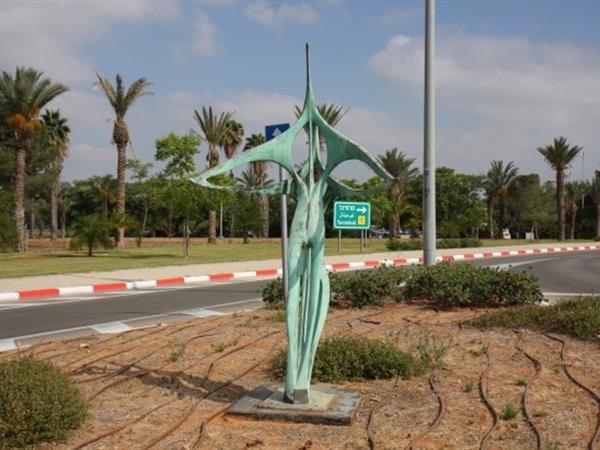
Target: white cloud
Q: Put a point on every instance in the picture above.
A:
(203, 41)
(49, 35)
(263, 13)
(500, 98)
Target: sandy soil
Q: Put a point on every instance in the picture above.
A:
(143, 395)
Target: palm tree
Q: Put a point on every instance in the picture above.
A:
(104, 187)
(121, 100)
(252, 180)
(594, 189)
(260, 169)
(91, 232)
(497, 181)
(400, 167)
(232, 138)
(59, 137)
(22, 97)
(330, 112)
(560, 156)
(574, 192)
(214, 129)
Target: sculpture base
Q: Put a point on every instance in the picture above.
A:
(328, 405)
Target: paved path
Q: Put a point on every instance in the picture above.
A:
(567, 273)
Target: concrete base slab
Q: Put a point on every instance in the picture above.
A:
(328, 405)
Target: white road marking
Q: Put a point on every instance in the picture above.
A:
(201, 312)
(111, 327)
(7, 344)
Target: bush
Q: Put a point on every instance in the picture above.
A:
(417, 244)
(448, 285)
(356, 289)
(352, 358)
(579, 318)
(38, 403)
(91, 232)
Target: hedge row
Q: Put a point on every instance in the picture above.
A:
(444, 285)
(395, 245)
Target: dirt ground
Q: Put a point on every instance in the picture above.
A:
(169, 387)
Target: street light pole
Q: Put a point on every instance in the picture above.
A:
(429, 234)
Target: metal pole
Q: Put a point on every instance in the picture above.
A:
(429, 234)
(284, 239)
(339, 242)
(362, 240)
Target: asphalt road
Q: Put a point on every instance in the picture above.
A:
(577, 272)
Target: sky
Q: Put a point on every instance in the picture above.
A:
(511, 75)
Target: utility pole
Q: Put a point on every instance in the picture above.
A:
(429, 234)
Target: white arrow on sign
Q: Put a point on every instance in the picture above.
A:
(363, 210)
(276, 133)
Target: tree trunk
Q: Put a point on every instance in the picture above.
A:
(186, 238)
(20, 195)
(263, 201)
(54, 191)
(491, 219)
(31, 223)
(560, 203)
(212, 227)
(573, 217)
(122, 160)
(63, 225)
(598, 220)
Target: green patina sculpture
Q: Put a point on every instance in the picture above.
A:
(313, 187)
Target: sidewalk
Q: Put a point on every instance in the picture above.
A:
(248, 269)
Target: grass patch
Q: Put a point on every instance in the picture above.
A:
(353, 358)
(509, 412)
(167, 252)
(38, 403)
(579, 318)
(469, 386)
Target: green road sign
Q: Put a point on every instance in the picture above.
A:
(351, 215)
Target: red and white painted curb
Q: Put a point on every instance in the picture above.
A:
(145, 284)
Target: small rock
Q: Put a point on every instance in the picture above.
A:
(84, 345)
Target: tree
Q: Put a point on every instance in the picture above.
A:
(141, 191)
(400, 167)
(560, 156)
(232, 138)
(104, 188)
(91, 232)
(594, 189)
(121, 100)
(179, 152)
(214, 129)
(574, 192)
(22, 97)
(58, 132)
(497, 182)
(330, 112)
(260, 169)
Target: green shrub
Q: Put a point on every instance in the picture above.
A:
(91, 232)
(417, 244)
(395, 245)
(38, 403)
(464, 284)
(272, 293)
(356, 289)
(579, 318)
(509, 412)
(352, 358)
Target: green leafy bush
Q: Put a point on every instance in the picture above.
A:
(38, 403)
(417, 244)
(91, 232)
(579, 318)
(449, 285)
(356, 289)
(353, 358)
